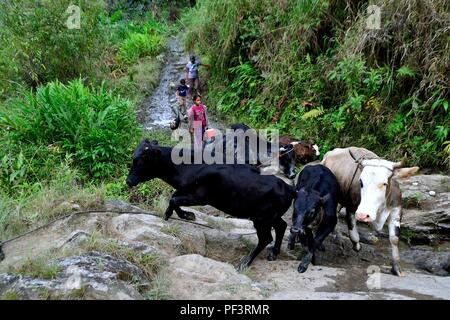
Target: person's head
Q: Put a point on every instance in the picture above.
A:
(197, 99)
(192, 58)
(183, 81)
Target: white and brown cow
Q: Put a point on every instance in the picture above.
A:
(370, 189)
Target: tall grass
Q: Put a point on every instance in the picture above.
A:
(92, 124)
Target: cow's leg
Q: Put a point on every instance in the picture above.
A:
(394, 233)
(325, 228)
(352, 230)
(264, 238)
(178, 200)
(280, 227)
(291, 241)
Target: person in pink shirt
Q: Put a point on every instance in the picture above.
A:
(198, 120)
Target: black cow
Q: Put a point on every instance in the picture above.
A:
(314, 207)
(256, 157)
(238, 190)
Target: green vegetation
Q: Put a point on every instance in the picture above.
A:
(40, 267)
(91, 124)
(148, 263)
(10, 295)
(68, 103)
(41, 48)
(159, 290)
(315, 71)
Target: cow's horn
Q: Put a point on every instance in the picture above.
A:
(399, 164)
(352, 155)
(146, 148)
(295, 142)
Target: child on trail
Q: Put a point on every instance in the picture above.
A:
(192, 74)
(181, 94)
(198, 121)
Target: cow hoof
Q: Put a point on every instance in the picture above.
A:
(271, 257)
(245, 262)
(301, 268)
(273, 254)
(357, 247)
(167, 216)
(185, 215)
(397, 270)
(291, 246)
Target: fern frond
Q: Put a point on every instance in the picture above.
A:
(314, 113)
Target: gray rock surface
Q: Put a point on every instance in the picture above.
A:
(91, 276)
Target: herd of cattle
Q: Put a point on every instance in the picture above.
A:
(355, 178)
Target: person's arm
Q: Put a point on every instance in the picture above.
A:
(191, 119)
(206, 117)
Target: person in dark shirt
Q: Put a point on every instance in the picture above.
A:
(182, 91)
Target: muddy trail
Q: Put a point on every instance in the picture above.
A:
(161, 107)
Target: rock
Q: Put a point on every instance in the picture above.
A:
(64, 233)
(425, 258)
(120, 205)
(195, 277)
(67, 207)
(426, 208)
(282, 281)
(145, 229)
(90, 276)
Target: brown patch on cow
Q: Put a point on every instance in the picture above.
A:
(393, 194)
(304, 151)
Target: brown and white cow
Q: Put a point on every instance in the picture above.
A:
(370, 189)
(304, 151)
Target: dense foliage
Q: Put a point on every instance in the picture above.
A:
(68, 100)
(91, 124)
(316, 70)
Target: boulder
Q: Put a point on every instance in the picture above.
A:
(426, 208)
(90, 276)
(195, 277)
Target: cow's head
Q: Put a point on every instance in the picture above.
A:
(306, 206)
(144, 162)
(305, 152)
(375, 181)
(287, 161)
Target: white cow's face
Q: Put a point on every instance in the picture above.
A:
(374, 181)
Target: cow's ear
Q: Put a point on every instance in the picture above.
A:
(154, 142)
(404, 173)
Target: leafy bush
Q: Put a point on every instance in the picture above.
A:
(42, 48)
(92, 124)
(384, 89)
(138, 45)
